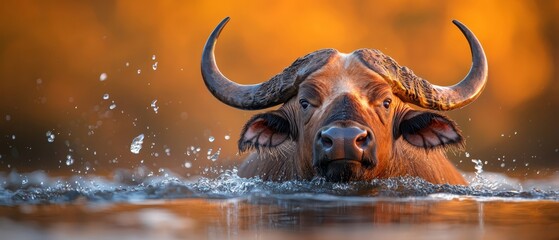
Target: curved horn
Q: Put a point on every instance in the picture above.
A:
(413, 89)
(275, 91)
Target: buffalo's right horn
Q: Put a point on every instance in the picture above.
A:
(275, 91)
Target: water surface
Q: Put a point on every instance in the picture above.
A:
(128, 206)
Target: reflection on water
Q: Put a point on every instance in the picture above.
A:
(36, 206)
(275, 218)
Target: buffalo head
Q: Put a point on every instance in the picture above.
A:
(346, 116)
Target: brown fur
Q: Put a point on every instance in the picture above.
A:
(345, 81)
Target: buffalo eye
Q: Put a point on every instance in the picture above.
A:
(386, 103)
(304, 103)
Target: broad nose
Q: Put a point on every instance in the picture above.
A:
(347, 143)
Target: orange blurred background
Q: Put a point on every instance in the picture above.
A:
(52, 56)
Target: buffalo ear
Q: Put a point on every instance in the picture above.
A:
(430, 130)
(264, 130)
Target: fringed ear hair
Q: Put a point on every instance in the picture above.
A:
(430, 130)
(264, 130)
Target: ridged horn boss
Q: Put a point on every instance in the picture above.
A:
(413, 89)
(405, 84)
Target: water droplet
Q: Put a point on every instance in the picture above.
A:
(502, 134)
(112, 106)
(127, 64)
(154, 106)
(69, 160)
(227, 137)
(154, 66)
(139, 71)
(8, 118)
(187, 164)
(106, 96)
(214, 156)
(153, 57)
(502, 164)
(103, 77)
(14, 137)
(515, 133)
(211, 139)
(526, 164)
(467, 154)
(50, 136)
(168, 151)
(136, 145)
(39, 81)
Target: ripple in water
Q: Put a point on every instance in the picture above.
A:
(141, 184)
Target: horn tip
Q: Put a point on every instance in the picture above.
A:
(457, 23)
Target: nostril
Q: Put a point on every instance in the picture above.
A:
(326, 141)
(362, 140)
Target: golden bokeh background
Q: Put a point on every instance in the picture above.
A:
(52, 55)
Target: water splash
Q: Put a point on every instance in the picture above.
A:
(142, 184)
(213, 157)
(187, 164)
(479, 181)
(50, 136)
(103, 77)
(69, 160)
(154, 106)
(168, 151)
(136, 144)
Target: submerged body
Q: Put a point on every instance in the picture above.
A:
(346, 117)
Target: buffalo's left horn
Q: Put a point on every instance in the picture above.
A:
(413, 89)
(275, 91)
(435, 97)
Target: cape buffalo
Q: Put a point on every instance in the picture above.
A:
(347, 117)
